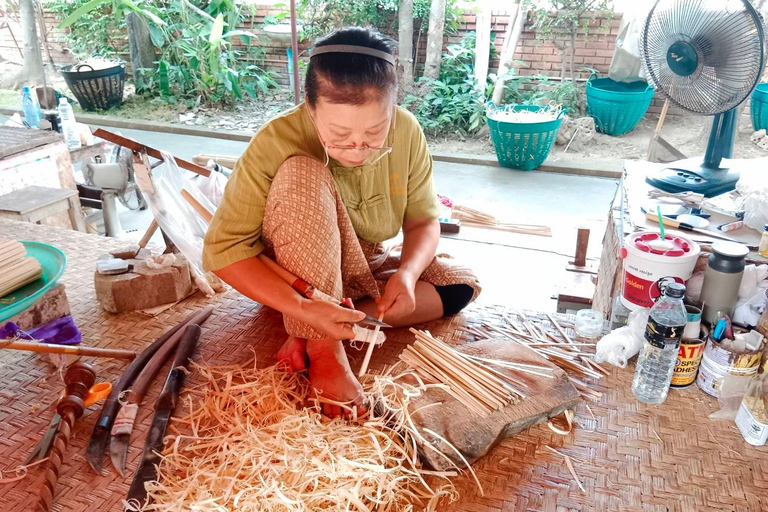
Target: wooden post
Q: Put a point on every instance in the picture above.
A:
(482, 45)
(582, 243)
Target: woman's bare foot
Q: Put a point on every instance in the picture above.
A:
(294, 353)
(332, 378)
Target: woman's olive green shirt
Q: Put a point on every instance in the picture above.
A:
(378, 197)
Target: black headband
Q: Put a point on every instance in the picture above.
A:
(351, 48)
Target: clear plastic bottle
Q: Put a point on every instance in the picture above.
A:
(28, 107)
(656, 362)
(68, 124)
(752, 418)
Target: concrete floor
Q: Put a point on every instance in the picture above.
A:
(517, 270)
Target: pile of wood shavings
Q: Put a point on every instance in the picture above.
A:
(250, 444)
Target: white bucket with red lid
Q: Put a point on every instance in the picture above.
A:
(651, 263)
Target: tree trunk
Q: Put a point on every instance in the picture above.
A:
(506, 62)
(573, 54)
(405, 36)
(482, 48)
(435, 39)
(143, 55)
(31, 72)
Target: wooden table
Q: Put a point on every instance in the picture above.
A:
(35, 204)
(626, 216)
(630, 457)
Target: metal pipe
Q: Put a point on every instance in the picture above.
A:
(295, 47)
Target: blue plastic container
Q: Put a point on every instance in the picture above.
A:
(617, 107)
(758, 107)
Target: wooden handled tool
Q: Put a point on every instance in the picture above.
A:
(79, 379)
(682, 226)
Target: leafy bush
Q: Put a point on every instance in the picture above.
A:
(454, 102)
(197, 60)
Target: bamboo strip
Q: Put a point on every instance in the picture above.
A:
(458, 357)
(68, 349)
(473, 386)
(495, 388)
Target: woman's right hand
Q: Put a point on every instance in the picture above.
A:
(332, 319)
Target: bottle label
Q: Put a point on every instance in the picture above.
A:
(661, 336)
(754, 432)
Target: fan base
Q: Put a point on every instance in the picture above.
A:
(691, 175)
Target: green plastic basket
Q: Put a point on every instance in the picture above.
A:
(617, 107)
(523, 146)
(758, 107)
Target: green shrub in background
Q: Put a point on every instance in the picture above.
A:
(97, 32)
(194, 40)
(455, 103)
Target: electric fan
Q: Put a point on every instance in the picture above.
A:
(706, 56)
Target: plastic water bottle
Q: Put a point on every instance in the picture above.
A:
(30, 109)
(657, 360)
(68, 124)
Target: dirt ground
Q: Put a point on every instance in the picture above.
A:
(688, 133)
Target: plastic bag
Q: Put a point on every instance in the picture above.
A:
(732, 391)
(753, 187)
(212, 186)
(174, 215)
(622, 344)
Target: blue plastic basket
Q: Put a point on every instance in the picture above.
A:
(523, 146)
(617, 107)
(758, 107)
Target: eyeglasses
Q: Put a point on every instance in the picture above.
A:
(363, 148)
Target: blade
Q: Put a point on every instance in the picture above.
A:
(118, 451)
(369, 320)
(150, 457)
(96, 446)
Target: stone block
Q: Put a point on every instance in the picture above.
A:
(475, 436)
(143, 287)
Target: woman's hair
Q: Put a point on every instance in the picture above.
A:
(351, 78)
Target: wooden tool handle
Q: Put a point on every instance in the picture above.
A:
(197, 206)
(671, 223)
(79, 378)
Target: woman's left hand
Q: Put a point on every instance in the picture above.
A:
(399, 298)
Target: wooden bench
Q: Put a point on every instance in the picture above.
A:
(35, 204)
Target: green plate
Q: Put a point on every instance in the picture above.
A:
(53, 262)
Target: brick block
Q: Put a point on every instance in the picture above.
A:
(597, 45)
(468, 19)
(543, 50)
(604, 53)
(552, 58)
(585, 52)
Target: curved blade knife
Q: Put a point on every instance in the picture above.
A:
(98, 441)
(166, 403)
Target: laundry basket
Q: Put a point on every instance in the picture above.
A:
(758, 107)
(522, 145)
(97, 85)
(617, 107)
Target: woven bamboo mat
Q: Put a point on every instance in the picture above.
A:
(630, 457)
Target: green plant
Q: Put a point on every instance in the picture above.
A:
(543, 90)
(561, 21)
(454, 102)
(96, 32)
(197, 58)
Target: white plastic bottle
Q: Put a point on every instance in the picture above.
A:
(68, 124)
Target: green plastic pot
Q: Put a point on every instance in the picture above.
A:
(617, 107)
(758, 107)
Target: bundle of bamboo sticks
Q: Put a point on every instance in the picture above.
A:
(16, 269)
(549, 341)
(469, 379)
(476, 218)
